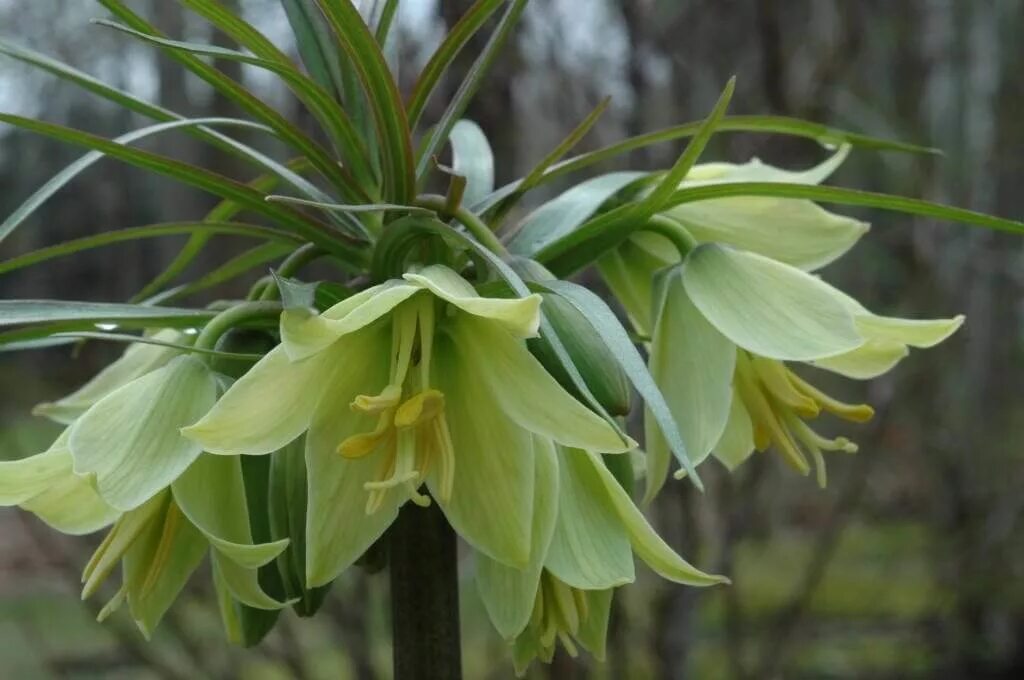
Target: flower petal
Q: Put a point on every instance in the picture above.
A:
(795, 231)
(131, 441)
(521, 388)
(138, 360)
(870, 360)
(646, 543)
(509, 594)
(243, 583)
(737, 441)
(767, 307)
(158, 565)
(269, 406)
(72, 506)
(593, 632)
(693, 364)
(921, 333)
(338, 530)
(590, 549)
(519, 316)
(491, 504)
(211, 493)
(120, 538)
(304, 334)
(22, 479)
(756, 171)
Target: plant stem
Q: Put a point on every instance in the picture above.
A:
(673, 231)
(477, 227)
(424, 596)
(234, 316)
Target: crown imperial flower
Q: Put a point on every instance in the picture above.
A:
(415, 381)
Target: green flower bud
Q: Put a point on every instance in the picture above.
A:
(600, 370)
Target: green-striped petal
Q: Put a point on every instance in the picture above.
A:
(795, 231)
(158, 565)
(211, 493)
(519, 316)
(590, 549)
(130, 439)
(521, 389)
(491, 504)
(304, 334)
(693, 364)
(737, 441)
(22, 479)
(509, 594)
(138, 360)
(768, 308)
(338, 530)
(270, 405)
(647, 545)
(868, 361)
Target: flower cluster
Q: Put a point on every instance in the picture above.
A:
(420, 389)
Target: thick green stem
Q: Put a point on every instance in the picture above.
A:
(235, 316)
(291, 264)
(477, 227)
(424, 596)
(673, 231)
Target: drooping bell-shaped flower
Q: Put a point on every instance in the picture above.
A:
(46, 485)
(129, 441)
(160, 543)
(585, 533)
(412, 382)
(726, 323)
(797, 232)
(136, 361)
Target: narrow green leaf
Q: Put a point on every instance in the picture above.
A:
(562, 257)
(236, 266)
(331, 116)
(330, 240)
(674, 177)
(346, 208)
(533, 178)
(615, 337)
(381, 92)
(464, 29)
(62, 178)
(383, 22)
(149, 231)
(564, 213)
(223, 211)
(780, 125)
(255, 106)
(18, 312)
(318, 53)
(840, 196)
(144, 340)
(438, 136)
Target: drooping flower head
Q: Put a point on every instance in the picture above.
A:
(414, 382)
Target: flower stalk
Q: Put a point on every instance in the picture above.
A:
(424, 595)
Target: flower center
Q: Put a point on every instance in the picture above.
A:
(412, 432)
(558, 613)
(779, 401)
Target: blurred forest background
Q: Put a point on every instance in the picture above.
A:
(908, 565)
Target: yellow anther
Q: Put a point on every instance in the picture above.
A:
(421, 408)
(359, 445)
(388, 398)
(858, 413)
(776, 378)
